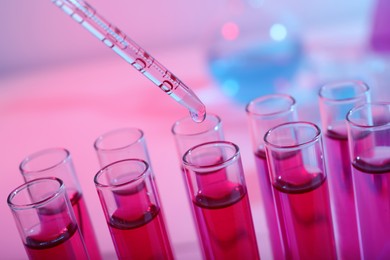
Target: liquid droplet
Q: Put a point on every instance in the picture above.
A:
(198, 117)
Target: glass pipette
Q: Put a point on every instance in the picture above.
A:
(85, 15)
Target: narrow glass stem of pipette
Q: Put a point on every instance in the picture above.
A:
(85, 15)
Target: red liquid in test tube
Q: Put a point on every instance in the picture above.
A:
(335, 100)
(188, 134)
(297, 172)
(142, 227)
(46, 221)
(134, 217)
(66, 244)
(340, 174)
(85, 225)
(368, 133)
(305, 209)
(264, 113)
(221, 211)
(220, 201)
(58, 162)
(373, 205)
(278, 240)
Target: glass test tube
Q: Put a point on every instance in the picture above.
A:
(297, 172)
(124, 143)
(120, 144)
(188, 134)
(57, 162)
(264, 113)
(46, 222)
(128, 196)
(335, 100)
(217, 189)
(369, 144)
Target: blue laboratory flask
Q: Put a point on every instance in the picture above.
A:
(253, 49)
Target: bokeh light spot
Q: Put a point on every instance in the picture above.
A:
(230, 31)
(278, 32)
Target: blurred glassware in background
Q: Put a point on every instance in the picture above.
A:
(357, 48)
(380, 31)
(378, 47)
(254, 48)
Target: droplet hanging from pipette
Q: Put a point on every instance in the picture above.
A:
(198, 116)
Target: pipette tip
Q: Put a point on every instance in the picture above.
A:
(198, 116)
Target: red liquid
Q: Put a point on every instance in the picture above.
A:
(303, 205)
(54, 241)
(269, 206)
(137, 226)
(140, 235)
(85, 225)
(224, 220)
(372, 190)
(342, 195)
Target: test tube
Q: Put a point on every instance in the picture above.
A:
(188, 134)
(335, 100)
(369, 145)
(297, 172)
(132, 209)
(217, 189)
(264, 113)
(46, 222)
(120, 144)
(124, 143)
(57, 162)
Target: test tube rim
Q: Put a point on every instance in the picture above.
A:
(315, 138)
(37, 204)
(100, 137)
(359, 107)
(212, 167)
(39, 153)
(253, 112)
(140, 176)
(181, 120)
(365, 89)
